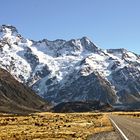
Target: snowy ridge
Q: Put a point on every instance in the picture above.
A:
(49, 66)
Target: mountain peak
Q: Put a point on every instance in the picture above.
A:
(8, 29)
(85, 39)
(89, 45)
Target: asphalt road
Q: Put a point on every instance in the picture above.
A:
(130, 127)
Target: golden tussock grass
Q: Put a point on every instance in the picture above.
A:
(128, 114)
(53, 126)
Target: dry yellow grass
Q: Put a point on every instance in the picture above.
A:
(128, 114)
(53, 126)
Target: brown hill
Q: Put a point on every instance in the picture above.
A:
(80, 106)
(17, 98)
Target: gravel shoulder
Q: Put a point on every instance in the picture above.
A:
(113, 135)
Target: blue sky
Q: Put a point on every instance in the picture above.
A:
(108, 23)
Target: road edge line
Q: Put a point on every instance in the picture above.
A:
(119, 129)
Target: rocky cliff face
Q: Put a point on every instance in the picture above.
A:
(75, 70)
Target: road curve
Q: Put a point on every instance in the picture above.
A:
(130, 127)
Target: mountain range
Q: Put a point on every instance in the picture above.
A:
(77, 70)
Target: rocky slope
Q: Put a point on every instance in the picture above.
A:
(79, 106)
(75, 70)
(17, 98)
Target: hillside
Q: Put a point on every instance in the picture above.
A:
(17, 98)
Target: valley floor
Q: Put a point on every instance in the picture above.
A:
(58, 126)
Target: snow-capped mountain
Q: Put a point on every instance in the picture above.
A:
(75, 70)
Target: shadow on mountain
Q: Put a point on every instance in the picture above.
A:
(17, 98)
(79, 106)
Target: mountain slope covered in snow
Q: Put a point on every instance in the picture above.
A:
(74, 70)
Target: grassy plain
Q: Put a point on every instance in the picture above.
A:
(53, 126)
(128, 114)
